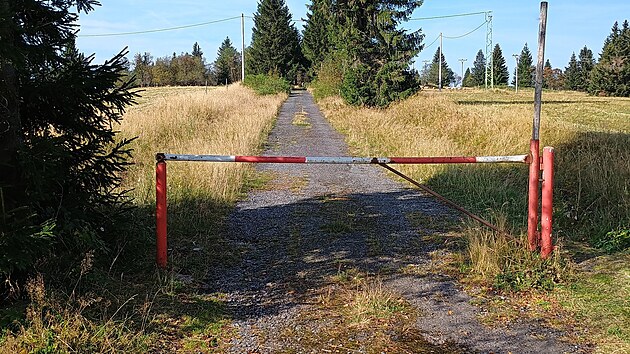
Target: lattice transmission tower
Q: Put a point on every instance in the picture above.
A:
(489, 50)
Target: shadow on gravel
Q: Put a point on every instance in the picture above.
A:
(291, 249)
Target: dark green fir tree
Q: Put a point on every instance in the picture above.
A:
(525, 68)
(611, 75)
(227, 66)
(500, 70)
(478, 72)
(316, 41)
(275, 47)
(572, 74)
(61, 159)
(448, 76)
(586, 63)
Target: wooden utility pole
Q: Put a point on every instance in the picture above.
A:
(516, 72)
(440, 65)
(242, 48)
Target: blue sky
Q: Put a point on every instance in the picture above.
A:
(571, 25)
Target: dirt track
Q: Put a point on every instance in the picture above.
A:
(312, 221)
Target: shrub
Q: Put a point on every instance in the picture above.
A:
(267, 84)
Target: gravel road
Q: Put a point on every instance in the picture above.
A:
(312, 220)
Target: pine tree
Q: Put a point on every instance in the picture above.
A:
(196, 52)
(546, 73)
(525, 68)
(275, 44)
(374, 55)
(227, 65)
(479, 70)
(611, 75)
(586, 63)
(501, 74)
(61, 158)
(316, 41)
(142, 69)
(468, 79)
(572, 74)
(448, 76)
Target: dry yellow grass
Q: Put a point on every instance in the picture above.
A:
(590, 135)
(592, 196)
(137, 312)
(222, 122)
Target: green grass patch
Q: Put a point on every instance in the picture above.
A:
(600, 300)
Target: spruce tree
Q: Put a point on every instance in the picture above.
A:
(275, 47)
(374, 53)
(572, 74)
(611, 75)
(61, 159)
(479, 70)
(448, 75)
(196, 52)
(586, 63)
(227, 65)
(546, 73)
(316, 41)
(525, 68)
(501, 74)
(468, 79)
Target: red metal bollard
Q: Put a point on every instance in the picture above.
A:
(160, 212)
(532, 209)
(546, 221)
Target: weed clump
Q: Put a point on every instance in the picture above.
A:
(508, 264)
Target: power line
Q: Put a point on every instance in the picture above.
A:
(161, 29)
(448, 16)
(465, 34)
(432, 43)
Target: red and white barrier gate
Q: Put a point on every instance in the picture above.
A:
(161, 204)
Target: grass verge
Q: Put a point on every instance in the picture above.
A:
(123, 304)
(592, 191)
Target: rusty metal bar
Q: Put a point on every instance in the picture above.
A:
(443, 199)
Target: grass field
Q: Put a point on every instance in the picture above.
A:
(592, 190)
(125, 305)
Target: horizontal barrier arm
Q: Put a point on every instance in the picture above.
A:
(345, 159)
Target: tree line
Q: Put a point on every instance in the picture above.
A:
(188, 69)
(610, 76)
(356, 49)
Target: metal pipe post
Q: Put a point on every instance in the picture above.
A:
(160, 212)
(546, 221)
(532, 204)
(534, 169)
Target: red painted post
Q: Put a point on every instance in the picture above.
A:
(160, 212)
(532, 204)
(533, 236)
(546, 221)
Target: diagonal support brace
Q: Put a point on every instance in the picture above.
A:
(443, 199)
